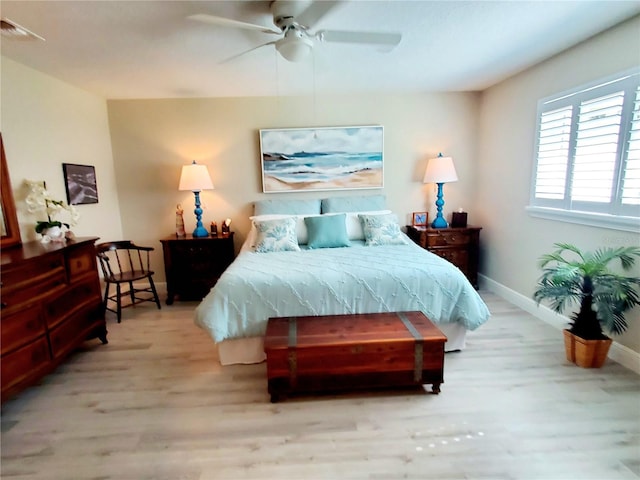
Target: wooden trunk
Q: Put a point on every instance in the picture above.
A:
(337, 352)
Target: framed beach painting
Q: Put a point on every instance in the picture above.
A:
(323, 158)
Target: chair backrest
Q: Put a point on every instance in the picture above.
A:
(123, 256)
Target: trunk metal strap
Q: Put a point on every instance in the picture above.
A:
(293, 361)
(418, 350)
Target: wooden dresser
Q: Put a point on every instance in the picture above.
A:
(192, 266)
(51, 303)
(458, 245)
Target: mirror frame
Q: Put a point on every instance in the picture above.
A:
(8, 205)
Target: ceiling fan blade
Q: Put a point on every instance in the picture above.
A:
(370, 38)
(316, 11)
(233, 57)
(228, 22)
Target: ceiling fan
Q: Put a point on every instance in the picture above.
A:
(294, 19)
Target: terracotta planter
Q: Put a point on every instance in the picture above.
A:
(586, 353)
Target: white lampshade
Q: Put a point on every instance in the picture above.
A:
(195, 177)
(440, 170)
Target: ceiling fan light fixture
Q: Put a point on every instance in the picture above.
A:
(294, 48)
(294, 19)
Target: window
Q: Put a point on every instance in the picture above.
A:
(587, 165)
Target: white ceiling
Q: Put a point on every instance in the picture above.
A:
(149, 49)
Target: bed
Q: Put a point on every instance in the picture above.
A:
(324, 259)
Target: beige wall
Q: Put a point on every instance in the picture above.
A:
(152, 139)
(45, 123)
(512, 240)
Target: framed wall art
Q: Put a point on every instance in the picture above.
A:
(80, 183)
(420, 219)
(323, 158)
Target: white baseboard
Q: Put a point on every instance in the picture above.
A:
(619, 353)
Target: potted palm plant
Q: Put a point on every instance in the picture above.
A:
(569, 276)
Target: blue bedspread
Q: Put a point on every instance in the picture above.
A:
(356, 279)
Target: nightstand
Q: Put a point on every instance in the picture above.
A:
(458, 245)
(193, 265)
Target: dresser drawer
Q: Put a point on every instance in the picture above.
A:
(77, 298)
(81, 261)
(15, 277)
(21, 327)
(32, 290)
(445, 239)
(201, 252)
(26, 362)
(76, 328)
(460, 258)
(211, 267)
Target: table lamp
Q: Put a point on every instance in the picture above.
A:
(196, 178)
(440, 170)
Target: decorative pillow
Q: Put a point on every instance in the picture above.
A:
(327, 231)
(277, 235)
(381, 230)
(301, 228)
(354, 225)
(354, 203)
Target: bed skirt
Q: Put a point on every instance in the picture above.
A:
(251, 349)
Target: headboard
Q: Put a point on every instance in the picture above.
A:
(357, 203)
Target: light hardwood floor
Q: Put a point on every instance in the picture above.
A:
(155, 404)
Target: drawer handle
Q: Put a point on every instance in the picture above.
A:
(4, 305)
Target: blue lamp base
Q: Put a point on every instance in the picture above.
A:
(439, 221)
(200, 231)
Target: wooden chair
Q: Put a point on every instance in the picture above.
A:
(125, 262)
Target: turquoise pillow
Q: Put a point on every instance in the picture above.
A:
(277, 235)
(381, 230)
(327, 231)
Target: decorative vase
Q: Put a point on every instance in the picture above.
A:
(53, 234)
(585, 353)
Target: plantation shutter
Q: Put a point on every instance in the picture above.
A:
(553, 153)
(631, 172)
(595, 158)
(587, 155)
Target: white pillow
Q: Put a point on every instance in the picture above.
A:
(276, 235)
(381, 230)
(301, 228)
(354, 225)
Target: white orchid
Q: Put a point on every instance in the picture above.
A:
(39, 200)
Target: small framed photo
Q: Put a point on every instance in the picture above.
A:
(420, 219)
(80, 183)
